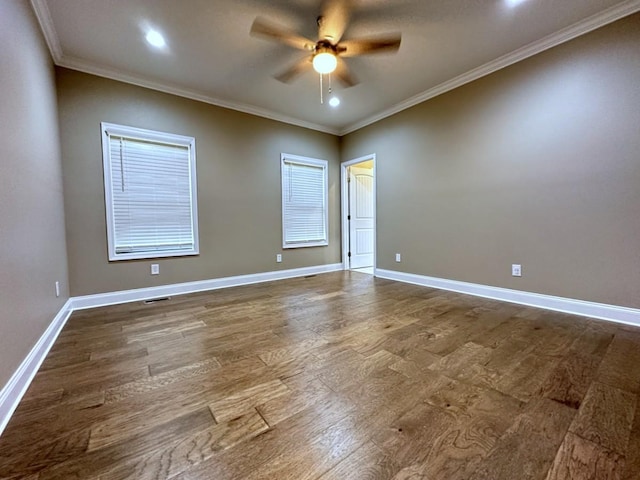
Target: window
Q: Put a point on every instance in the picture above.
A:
(304, 202)
(150, 193)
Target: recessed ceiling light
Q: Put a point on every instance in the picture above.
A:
(155, 39)
(334, 102)
(514, 3)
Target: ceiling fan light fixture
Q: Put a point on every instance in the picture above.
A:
(324, 62)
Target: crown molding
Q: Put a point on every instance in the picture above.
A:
(587, 25)
(43, 14)
(594, 22)
(46, 25)
(113, 74)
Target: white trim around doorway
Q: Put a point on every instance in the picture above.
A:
(344, 207)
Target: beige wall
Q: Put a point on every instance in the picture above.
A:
(32, 244)
(537, 164)
(238, 168)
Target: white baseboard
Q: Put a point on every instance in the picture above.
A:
(13, 391)
(613, 313)
(124, 296)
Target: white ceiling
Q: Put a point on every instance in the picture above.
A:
(211, 56)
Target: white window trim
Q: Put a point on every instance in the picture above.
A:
(109, 129)
(287, 158)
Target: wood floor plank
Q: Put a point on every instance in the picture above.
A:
(65, 359)
(457, 453)
(569, 381)
(412, 436)
(155, 322)
(508, 353)
(105, 350)
(632, 464)
(278, 409)
(64, 417)
(515, 330)
(460, 360)
(164, 331)
(594, 340)
(526, 378)
(307, 460)
(96, 462)
(606, 417)
(36, 452)
(340, 375)
(122, 427)
(614, 370)
(177, 457)
(180, 354)
(120, 392)
(527, 450)
(383, 397)
(236, 404)
(182, 398)
(409, 339)
(32, 403)
(292, 352)
(366, 462)
(300, 429)
(580, 458)
(88, 374)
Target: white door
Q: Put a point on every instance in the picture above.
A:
(361, 210)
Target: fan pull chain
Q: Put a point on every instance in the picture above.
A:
(330, 89)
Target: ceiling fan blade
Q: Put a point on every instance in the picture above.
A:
(333, 20)
(293, 72)
(343, 74)
(268, 30)
(365, 46)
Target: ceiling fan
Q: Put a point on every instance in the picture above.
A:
(327, 53)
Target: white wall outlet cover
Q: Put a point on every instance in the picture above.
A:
(398, 257)
(279, 257)
(516, 270)
(155, 269)
(57, 289)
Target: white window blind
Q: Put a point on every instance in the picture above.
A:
(304, 201)
(150, 193)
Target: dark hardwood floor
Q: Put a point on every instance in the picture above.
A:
(337, 376)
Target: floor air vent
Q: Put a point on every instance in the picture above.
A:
(156, 300)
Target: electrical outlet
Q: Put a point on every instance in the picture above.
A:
(155, 269)
(398, 258)
(516, 270)
(57, 289)
(278, 258)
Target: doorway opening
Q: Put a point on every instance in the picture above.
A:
(358, 181)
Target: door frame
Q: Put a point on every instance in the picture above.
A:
(344, 203)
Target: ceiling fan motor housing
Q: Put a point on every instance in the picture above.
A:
(325, 46)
